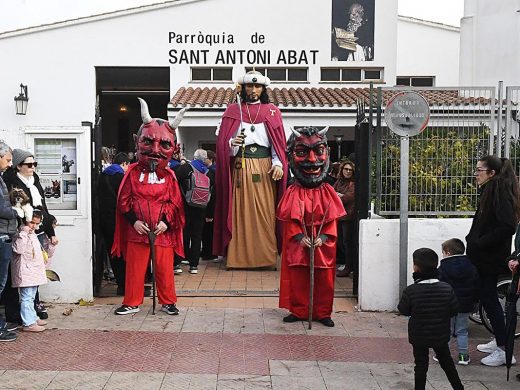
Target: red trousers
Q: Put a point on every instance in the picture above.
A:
(137, 257)
(323, 292)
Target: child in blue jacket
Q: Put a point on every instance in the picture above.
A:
(457, 270)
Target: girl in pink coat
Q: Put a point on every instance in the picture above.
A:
(28, 271)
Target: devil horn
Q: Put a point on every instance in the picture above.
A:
(174, 123)
(323, 131)
(145, 114)
(296, 133)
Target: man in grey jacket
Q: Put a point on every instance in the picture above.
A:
(7, 229)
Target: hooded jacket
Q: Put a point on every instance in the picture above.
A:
(462, 276)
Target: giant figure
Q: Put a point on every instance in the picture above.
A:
(309, 208)
(149, 199)
(251, 177)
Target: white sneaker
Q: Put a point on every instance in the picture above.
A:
(489, 347)
(497, 358)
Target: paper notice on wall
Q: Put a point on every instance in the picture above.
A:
(51, 185)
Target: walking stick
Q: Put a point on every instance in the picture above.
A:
(311, 265)
(311, 255)
(151, 240)
(242, 163)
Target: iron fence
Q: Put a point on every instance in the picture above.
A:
(442, 158)
(512, 127)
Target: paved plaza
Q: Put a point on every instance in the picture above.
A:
(233, 341)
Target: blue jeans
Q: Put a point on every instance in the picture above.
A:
(459, 328)
(27, 311)
(5, 258)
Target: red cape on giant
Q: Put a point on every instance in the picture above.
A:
(173, 212)
(326, 206)
(269, 115)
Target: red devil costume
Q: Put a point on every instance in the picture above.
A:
(245, 220)
(149, 199)
(308, 208)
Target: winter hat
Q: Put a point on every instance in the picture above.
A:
(19, 156)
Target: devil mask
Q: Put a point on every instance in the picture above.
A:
(155, 141)
(308, 155)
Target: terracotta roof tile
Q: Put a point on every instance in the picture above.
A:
(313, 97)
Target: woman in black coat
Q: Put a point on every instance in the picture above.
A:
(22, 175)
(489, 242)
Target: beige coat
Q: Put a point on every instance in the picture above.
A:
(27, 266)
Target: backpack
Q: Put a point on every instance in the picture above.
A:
(199, 189)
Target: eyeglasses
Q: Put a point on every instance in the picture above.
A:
(348, 169)
(477, 170)
(30, 165)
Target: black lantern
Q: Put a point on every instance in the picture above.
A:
(21, 100)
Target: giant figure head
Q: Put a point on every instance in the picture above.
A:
(254, 87)
(155, 141)
(308, 155)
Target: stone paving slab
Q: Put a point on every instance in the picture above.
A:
(321, 375)
(225, 348)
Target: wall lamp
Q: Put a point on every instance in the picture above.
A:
(21, 100)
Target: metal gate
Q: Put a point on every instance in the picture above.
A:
(442, 158)
(511, 130)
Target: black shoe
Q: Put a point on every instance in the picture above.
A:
(42, 314)
(41, 311)
(194, 270)
(327, 322)
(291, 318)
(170, 309)
(344, 273)
(124, 310)
(11, 326)
(7, 336)
(147, 291)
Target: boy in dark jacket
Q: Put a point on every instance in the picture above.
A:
(458, 271)
(430, 304)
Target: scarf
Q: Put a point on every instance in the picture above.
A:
(418, 276)
(35, 194)
(199, 165)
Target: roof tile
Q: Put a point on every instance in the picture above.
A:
(313, 97)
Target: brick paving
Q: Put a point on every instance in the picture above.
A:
(230, 341)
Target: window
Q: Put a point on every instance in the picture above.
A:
(330, 74)
(281, 75)
(416, 81)
(212, 74)
(353, 75)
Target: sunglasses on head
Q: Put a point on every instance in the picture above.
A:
(30, 165)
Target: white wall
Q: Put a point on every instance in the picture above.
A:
(427, 49)
(58, 65)
(490, 38)
(379, 255)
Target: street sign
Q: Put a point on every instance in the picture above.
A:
(407, 114)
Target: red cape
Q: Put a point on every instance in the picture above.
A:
(269, 115)
(296, 200)
(172, 209)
